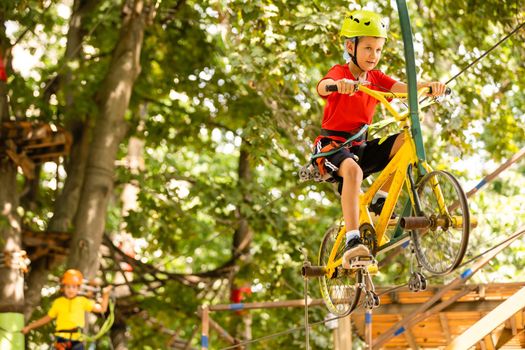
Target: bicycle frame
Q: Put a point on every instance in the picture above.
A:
(397, 169)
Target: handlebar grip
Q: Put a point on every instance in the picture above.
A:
(448, 90)
(331, 88)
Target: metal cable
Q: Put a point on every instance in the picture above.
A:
(486, 52)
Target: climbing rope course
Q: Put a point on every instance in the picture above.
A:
(425, 310)
(433, 305)
(19, 260)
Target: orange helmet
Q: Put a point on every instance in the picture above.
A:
(73, 277)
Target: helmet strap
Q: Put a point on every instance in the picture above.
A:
(354, 56)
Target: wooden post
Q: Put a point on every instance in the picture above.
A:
(368, 329)
(343, 334)
(205, 328)
(409, 319)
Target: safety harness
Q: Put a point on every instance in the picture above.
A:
(318, 159)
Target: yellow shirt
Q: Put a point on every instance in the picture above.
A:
(70, 314)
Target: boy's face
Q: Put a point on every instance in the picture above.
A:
(71, 290)
(369, 51)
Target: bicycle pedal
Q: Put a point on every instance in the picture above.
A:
(360, 262)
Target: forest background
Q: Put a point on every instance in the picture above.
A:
(189, 121)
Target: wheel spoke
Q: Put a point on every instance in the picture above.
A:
(339, 292)
(441, 249)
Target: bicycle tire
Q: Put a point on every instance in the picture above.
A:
(441, 249)
(340, 292)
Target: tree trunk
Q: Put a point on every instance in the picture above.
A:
(243, 235)
(66, 203)
(109, 131)
(11, 278)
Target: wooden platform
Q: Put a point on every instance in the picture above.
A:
(438, 330)
(28, 144)
(52, 244)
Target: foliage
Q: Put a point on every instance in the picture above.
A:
(219, 74)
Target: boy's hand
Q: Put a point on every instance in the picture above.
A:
(347, 86)
(107, 289)
(25, 330)
(437, 88)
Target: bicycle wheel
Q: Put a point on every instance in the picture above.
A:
(441, 247)
(339, 291)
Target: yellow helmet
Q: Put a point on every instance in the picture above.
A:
(364, 23)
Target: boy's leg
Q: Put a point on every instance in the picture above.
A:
(352, 177)
(77, 345)
(375, 160)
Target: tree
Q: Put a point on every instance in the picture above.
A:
(223, 96)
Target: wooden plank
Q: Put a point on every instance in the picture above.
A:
(51, 142)
(513, 327)
(521, 338)
(457, 307)
(481, 345)
(504, 337)
(410, 337)
(518, 317)
(480, 329)
(489, 344)
(444, 325)
(399, 327)
(221, 331)
(343, 334)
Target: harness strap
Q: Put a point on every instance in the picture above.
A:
(344, 134)
(72, 330)
(353, 137)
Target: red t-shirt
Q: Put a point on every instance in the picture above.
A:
(348, 113)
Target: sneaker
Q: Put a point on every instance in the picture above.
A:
(377, 207)
(353, 249)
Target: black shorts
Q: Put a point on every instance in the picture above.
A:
(373, 158)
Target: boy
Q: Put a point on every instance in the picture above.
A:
(69, 311)
(347, 111)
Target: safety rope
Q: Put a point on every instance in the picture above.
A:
(486, 52)
(390, 290)
(106, 326)
(482, 55)
(15, 259)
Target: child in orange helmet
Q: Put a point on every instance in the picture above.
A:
(69, 312)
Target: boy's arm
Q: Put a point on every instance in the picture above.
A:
(438, 88)
(103, 306)
(38, 323)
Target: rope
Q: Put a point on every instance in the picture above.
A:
(294, 329)
(106, 326)
(482, 56)
(486, 52)
(491, 249)
(15, 259)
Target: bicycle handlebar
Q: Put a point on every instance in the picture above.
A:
(333, 88)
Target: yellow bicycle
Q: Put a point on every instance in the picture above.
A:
(435, 220)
